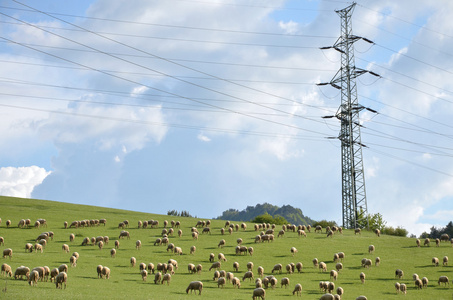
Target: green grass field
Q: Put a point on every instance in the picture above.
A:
(125, 281)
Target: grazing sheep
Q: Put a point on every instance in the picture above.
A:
(435, 261)
(249, 275)
(21, 271)
(236, 266)
(161, 267)
(85, 241)
(284, 282)
(166, 278)
(425, 282)
(179, 233)
(199, 268)
(150, 267)
(106, 272)
(142, 266)
(236, 282)
(339, 266)
(221, 257)
(221, 282)
(194, 235)
(341, 255)
(340, 291)
(327, 297)
(9, 252)
(298, 289)
(63, 268)
(158, 242)
(229, 276)
(258, 239)
(415, 276)
(133, 261)
(178, 251)
(73, 261)
(437, 242)
(71, 237)
(215, 265)
(170, 269)
(403, 288)
(357, 231)
(191, 268)
(124, 234)
(113, 252)
(157, 277)
(249, 266)
(361, 298)
(258, 283)
(33, 278)
(417, 242)
(100, 245)
(445, 237)
(293, 250)
(260, 271)
(239, 241)
(60, 279)
(367, 263)
(336, 257)
(445, 261)
(54, 274)
(28, 247)
(377, 232)
(6, 270)
(418, 284)
(277, 268)
(315, 262)
(426, 243)
(250, 250)
(371, 249)
(138, 244)
(399, 273)
(397, 287)
(193, 249)
(195, 286)
(289, 269)
(377, 261)
(362, 277)
(99, 270)
(171, 247)
(333, 274)
(444, 280)
(323, 266)
(206, 230)
(259, 293)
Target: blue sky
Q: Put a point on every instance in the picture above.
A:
(209, 105)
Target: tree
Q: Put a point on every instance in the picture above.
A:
(377, 221)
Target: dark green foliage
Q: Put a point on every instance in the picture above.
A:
(324, 223)
(398, 231)
(267, 218)
(183, 213)
(437, 232)
(290, 214)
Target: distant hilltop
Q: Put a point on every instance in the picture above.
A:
(291, 214)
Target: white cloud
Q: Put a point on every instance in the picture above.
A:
(20, 182)
(203, 138)
(290, 27)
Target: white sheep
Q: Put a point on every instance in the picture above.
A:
(250, 250)
(260, 271)
(362, 277)
(340, 291)
(215, 265)
(425, 282)
(6, 270)
(221, 282)
(327, 297)
(249, 275)
(221, 257)
(133, 261)
(259, 293)
(315, 262)
(298, 289)
(8, 252)
(60, 279)
(63, 268)
(339, 267)
(106, 272)
(397, 287)
(277, 268)
(445, 261)
(138, 244)
(418, 283)
(73, 261)
(33, 278)
(195, 286)
(435, 261)
(178, 251)
(426, 242)
(250, 266)
(289, 269)
(28, 247)
(399, 273)
(417, 242)
(341, 255)
(21, 271)
(236, 266)
(100, 245)
(293, 250)
(444, 280)
(150, 267)
(284, 282)
(199, 268)
(361, 298)
(333, 274)
(113, 252)
(377, 261)
(166, 277)
(236, 282)
(371, 249)
(403, 288)
(54, 274)
(377, 232)
(323, 266)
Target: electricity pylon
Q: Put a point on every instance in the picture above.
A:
(354, 203)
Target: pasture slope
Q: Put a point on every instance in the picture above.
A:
(126, 283)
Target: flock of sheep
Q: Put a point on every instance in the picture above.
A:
(163, 272)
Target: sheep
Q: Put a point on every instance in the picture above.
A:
(362, 277)
(336, 257)
(341, 255)
(166, 278)
(257, 239)
(133, 261)
(445, 237)
(85, 241)
(161, 267)
(221, 282)
(330, 233)
(298, 289)
(361, 298)
(100, 245)
(21, 271)
(99, 270)
(239, 241)
(403, 288)
(435, 261)
(367, 263)
(250, 250)
(63, 268)
(71, 237)
(418, 284)
(236, 282)
(397, 287)
(8, 223)
(277, 268)
(191, 268)
(178, 251)
(33, 278)
(170, 269)
(150, 267)
(142, 266)
(323, 266)
(445, 261)
(105, 272)
(284, 282)
(215, 265)
(171, 247)
(289, 269)
(315, 262)
(236, 266)
(259, 293)
(8, 252)
(6, 270)
(371, 249)
(54, 274)
(199, 268)
(260, 271)
(28, 247)
(444, 280)
(179, 233)
(195, 286)
(249, 275)
(258, 283)
(427, 242)
(244, 226)
(60, 279)
(113, 252)
(73, 261)
(138, 244)
(425, 282)
(38, 247)
(206, 230)
(250, 266)
(417, 242)
(399, 273)
(357, 231)
(340, 291)
(293, 250)
(229, 276)
(437, 242)
(221, 257)
(124, 234)
(339, 267)
(377, 232)
(333, 274)
(327, 297)
(93, 241)
(415, 276)
(377, 261)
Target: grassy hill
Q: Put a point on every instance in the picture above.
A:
(126, 282)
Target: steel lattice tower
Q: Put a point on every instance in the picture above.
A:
(354, 203)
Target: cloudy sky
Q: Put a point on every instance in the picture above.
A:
(208, 105)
